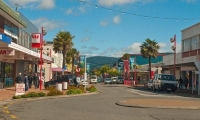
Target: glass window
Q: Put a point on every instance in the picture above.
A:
(9, 74)
(168, 77)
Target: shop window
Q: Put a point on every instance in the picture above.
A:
(9, 77)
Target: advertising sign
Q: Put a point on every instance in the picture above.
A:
(36, 40)
(120, 65)
(7, 52)
(5, 38)
(20, 89)
(82, 61)
(132, 61)
(88, 68)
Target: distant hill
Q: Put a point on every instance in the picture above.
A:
(98, 61)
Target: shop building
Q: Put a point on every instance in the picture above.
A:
(55, 67)
(16, 54)
(188, 60)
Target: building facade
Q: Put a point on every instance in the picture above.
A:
(187, 63)
(16, 54)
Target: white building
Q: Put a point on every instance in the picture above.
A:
(57, 59)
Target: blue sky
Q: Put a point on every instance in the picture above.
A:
(99, 31)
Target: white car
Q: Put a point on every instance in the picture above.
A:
(114, 79)
(93, 79)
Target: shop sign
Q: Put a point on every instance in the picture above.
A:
(36, 40)
(5, 38)
(7, 52)
(20, 89)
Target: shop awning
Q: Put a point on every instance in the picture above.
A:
(57, 69)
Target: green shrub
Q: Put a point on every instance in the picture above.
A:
(92, 88)
(25, 96)
(74, 91)
(41, 94)
(54, 92)
(33, 94)
(17, 97)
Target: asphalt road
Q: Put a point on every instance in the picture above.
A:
(94, 107)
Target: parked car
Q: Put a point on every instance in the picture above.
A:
(150, 84)
(120, 80)
(93, 79)
(114, 80)
(70, 78)
(107, 81)
(99, 80)
(53, 81)
(164, 82)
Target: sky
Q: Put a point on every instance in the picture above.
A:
(112, 27)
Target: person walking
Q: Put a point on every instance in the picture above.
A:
(26, 82)
(180, 84)
(30, 80)
(186, 83)
(35, 80)
(19, 78)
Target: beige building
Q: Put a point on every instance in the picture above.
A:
(188, 60)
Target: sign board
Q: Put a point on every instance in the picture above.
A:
(36, 40)
(20, 89)
(5, 38)
(7, 52)
(85, 83)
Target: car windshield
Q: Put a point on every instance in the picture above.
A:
(120, 77)
(107, 79)
(94, 78)
(168, 77)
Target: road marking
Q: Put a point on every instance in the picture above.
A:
(12, 116)
(135, 91)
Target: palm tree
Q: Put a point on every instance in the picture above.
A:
(72, 55)
(126, 56)
(62, 43)
(148, 49)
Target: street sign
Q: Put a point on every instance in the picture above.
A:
(20, 89)
(85, 83)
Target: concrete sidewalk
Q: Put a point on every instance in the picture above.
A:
(161, 103)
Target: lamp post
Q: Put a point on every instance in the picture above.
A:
(173, 40)
(41, 59)
(135, 78)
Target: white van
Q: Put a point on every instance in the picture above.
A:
(93, 79)
(114, 80)
(164, 82)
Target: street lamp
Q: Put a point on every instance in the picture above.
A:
(42, 42)
(173, 40)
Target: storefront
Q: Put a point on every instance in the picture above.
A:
(7, 74)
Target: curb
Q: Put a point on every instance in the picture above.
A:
(4, 102)
(159, 107)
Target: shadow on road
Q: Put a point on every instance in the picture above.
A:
(183, 93)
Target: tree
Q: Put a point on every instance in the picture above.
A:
(72, 55)
(113, 72)
(62, 43)
(104, 69)
(149, 49)
(96, 72)
(126, 56)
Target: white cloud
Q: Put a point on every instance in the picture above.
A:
(103, 23)
(69, 11)
(40, 4)
(85, 39)
(47, 24)
(121, 2)
(117, 19)
(75, 11)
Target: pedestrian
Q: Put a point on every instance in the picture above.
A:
(38, 85)
(35, 80)
(186, 83)
(19, 78)
(30, 80)
(26, 82)
(180, 84)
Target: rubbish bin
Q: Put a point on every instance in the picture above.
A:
(64, 85)
(59, 86)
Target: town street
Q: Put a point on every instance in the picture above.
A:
(96, 107)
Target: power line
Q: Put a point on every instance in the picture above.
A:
(137, 15)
